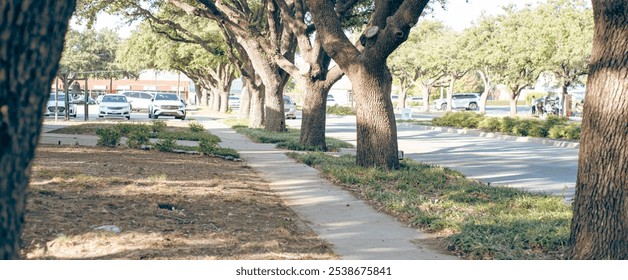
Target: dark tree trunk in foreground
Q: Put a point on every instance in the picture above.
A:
(599, 227)
(31, 41)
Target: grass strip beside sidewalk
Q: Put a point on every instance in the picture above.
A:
(479, 221)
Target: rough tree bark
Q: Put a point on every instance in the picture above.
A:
(245, 99)
(30, 48)
(388, 27)
(486, 80)
(599, 228)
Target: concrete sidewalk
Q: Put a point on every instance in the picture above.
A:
(355, 229)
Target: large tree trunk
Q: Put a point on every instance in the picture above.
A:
(30, 49)
(484, 74)
(599, 228)
(376, 127)
(401, 99)
(215, 100)
(563, 97)
(274, 80)
(514, 97)
(204, 97)
(450, 93)
(314, 115)
(245, 99)
(257, 117)
(224, 101)
(425, 92)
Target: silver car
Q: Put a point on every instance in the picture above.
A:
(467, 101)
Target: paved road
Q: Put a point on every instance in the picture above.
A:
(529, 166)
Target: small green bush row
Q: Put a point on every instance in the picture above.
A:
(340, 110)
(553, 127)
(140, 134)
(287, 140)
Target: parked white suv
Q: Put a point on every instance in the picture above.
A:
(139, 100)
(166, 104)
(467, 101)
(50, 106)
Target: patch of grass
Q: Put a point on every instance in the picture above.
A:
(85, 129)
(233, 122)
(158, 178)
(183, 134)
(288, 140)
(483, 222)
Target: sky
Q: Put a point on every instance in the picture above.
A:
(459, 14)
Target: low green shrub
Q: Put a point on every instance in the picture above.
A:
(569, 132)
(459, 119)
(125, 128)
(529, 127)
(108, 137)
(555, 127)
(553, 120)
(492, 124)
(507, 125)
(139, 136)
(206, 146)
(573, 131)
(340, 110)
(209, 147)
(226, 152)
(166, 144)
(158, 126)
(538, 130)
(196, 127)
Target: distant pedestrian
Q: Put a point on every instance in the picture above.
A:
(534, 101)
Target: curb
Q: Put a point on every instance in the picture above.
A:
(479, 133)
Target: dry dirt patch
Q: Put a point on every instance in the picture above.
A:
(167, 206)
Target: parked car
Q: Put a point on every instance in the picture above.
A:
(290, 108)
(81, 100)
(53, 103)
(139, 100)
(467, 101)
(166, 104)
(234, 101)
(114, 106)
(99, 98)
